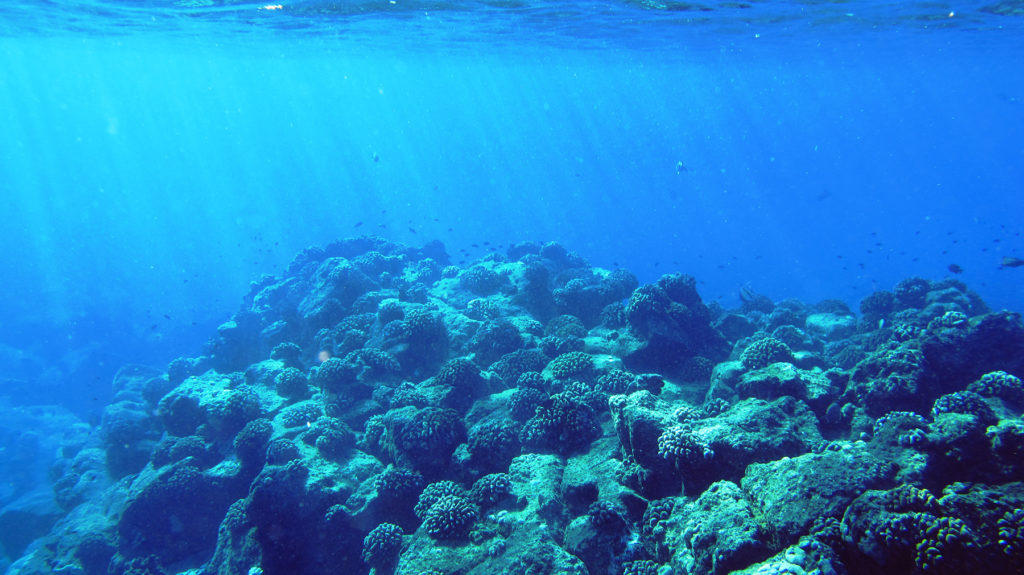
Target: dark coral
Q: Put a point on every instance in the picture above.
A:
(433, 493)
(451, 517)
(617, 381)
(493, 444)
(652, 530)
(512, 365)
(565, 326)
(179, 370)
(564, 425)
(281, 451)
(426, 437)
(891, 378)
(490, 490)
(553, 346)
(958, 356)
(572, 365)
(382, 545)
(288, 353)
(966, 402)
(675, 324)
(607, 517)
(331, 436)
(230, 410)
(682, 448)
(640, 567)
(397, 485)
(494, 339)
(128, 432)
(481, 280)
(301, 414)
(174, 449)
(523, 402)
(251, 442)
(1000, 384)
(404, 395)
(911, 293)
(292, 383)
(1011, 534)
(424, 344)
(176, 514)
(334, 375)
(461, 375)
(765, 351)
(877, 306)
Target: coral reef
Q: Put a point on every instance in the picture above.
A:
(377, 408)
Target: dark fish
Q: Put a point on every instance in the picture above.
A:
(956, 269)
(1011, 262)
(747, 294)
(412, 230)
(357, 224)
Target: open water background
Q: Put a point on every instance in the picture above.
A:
(156, 157)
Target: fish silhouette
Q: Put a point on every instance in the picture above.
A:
(1011, 262)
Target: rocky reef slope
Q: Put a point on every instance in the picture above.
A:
(378, 409)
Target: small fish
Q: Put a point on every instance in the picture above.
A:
(376, 158)
(955, 269)
(1011, 262)
(747, 294)
(412, 230)
(357, 224)
(681, 168)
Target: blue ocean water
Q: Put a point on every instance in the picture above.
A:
(157, 157)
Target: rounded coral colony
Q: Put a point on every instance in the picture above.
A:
(450, 517)
(382, 544)
(765, 351)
